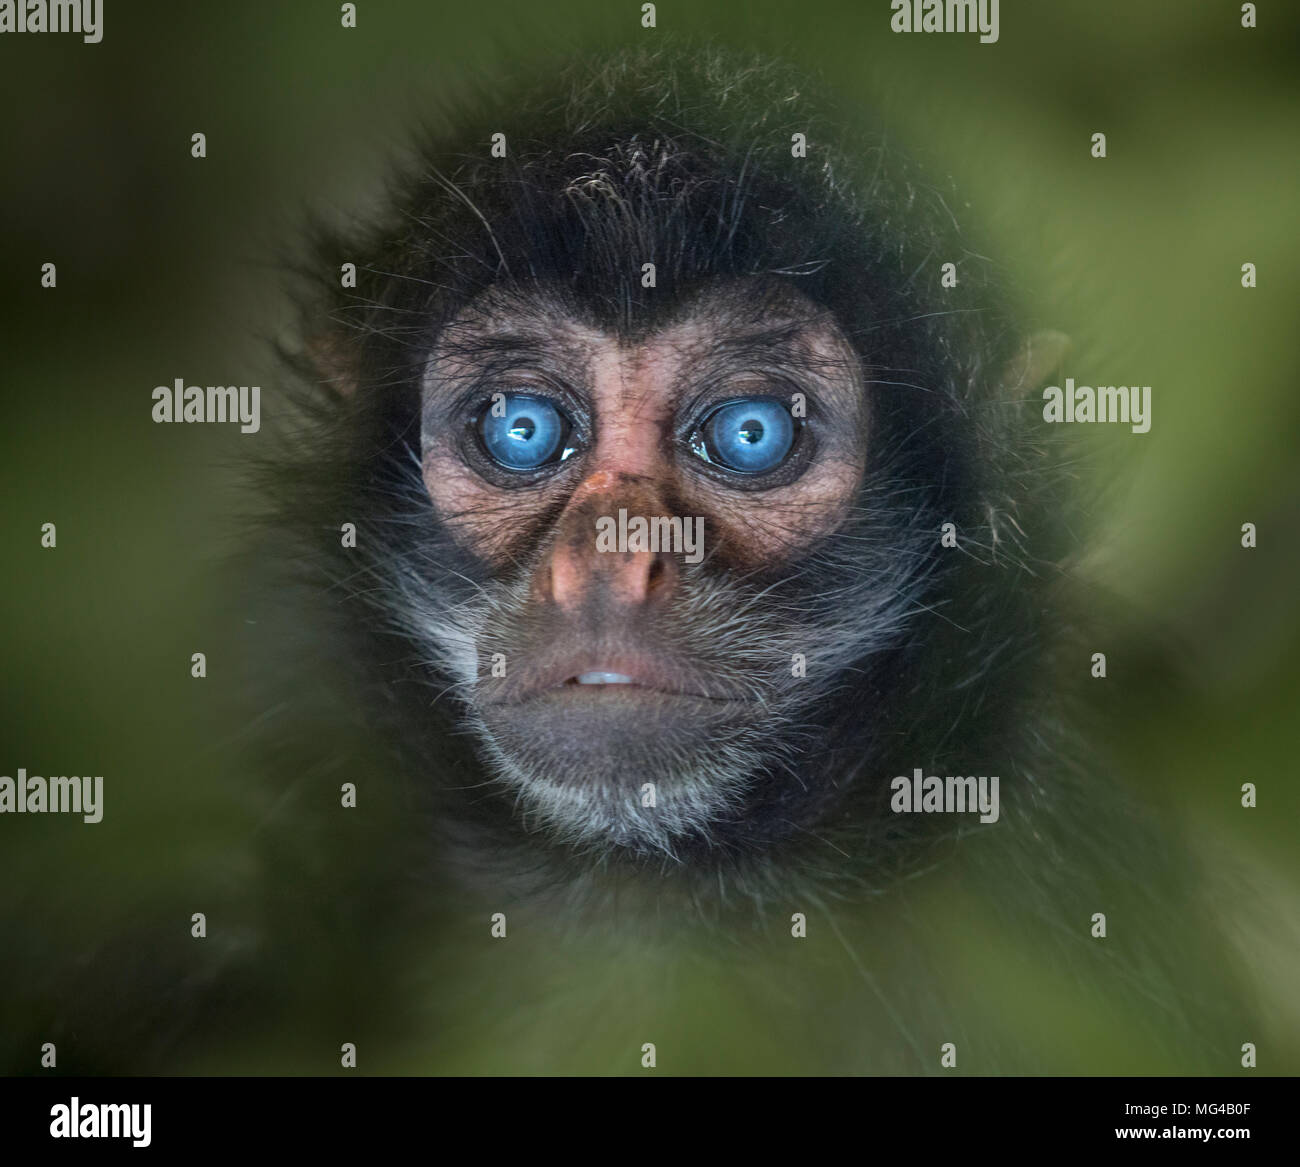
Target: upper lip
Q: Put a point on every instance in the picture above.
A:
(644, 671)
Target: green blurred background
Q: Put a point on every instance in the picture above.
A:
(171, 267)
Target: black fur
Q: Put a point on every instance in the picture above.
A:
(689, 164)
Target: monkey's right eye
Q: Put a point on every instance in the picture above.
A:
(522, 432)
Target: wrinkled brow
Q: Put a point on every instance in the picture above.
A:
(511, 331)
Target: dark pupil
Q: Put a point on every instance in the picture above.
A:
(751, 431)
(523, 429)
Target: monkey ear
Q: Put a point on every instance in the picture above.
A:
(331, 362)
(1038, 357)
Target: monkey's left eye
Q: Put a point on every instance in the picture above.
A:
(750, 436)
(522, 432)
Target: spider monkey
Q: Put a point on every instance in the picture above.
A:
(652, 509)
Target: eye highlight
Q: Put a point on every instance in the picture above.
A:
(750, 436)
(522, 432)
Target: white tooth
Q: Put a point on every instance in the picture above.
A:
(604, 679)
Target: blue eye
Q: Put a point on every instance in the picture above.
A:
(750, 436)
(522, 432)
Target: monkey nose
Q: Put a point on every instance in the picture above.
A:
(589, 565)
(577, 576)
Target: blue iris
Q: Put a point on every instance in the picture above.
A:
(527, 434)
(751, 436)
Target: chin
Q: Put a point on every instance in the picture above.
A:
(623, 767)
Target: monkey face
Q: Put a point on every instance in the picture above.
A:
(642, 511)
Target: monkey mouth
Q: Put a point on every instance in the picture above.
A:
(607, 679)
(622, 678)
(600, 683)
(605, 723)
(599, 678)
